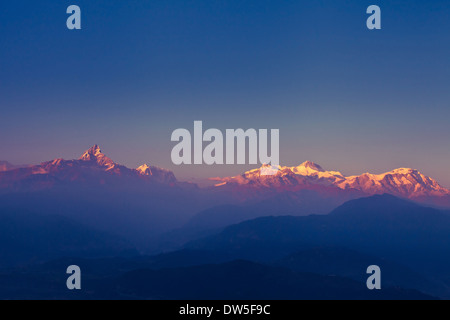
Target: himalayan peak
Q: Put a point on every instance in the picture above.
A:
(311, 165)
(156, 173)
(95, 154)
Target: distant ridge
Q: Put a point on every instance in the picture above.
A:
(6, 166)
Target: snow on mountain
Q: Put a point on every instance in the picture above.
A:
(95, 155)
(403, 182)
(307, 173)
(157, 173)
(145, 170)
(95, 167)
(92, 166)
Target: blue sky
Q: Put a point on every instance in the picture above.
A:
(345, 97)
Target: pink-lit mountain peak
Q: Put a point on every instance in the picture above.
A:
(91, 153)
(94, 154)
(156, 173)
(311, 165)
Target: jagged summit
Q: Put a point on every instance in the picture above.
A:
(91, 153)
(95, 154)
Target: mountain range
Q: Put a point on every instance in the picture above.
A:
(95, 167)
(92, 167)
(402, 182)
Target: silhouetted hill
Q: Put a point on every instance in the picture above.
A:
(351, 264)
(207, 275)
(246, 280)
(236, 280)
(382, 226)
(30, 238)
(215, 219)
(114, 266)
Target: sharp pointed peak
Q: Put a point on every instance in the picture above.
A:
(92, 151)
(95, 154)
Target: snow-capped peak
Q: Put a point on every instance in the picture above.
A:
(156, 173)
(91, 153)
(309, 168)
(95, 154)
(310, 165)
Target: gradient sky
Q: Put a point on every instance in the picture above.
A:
(342, 96)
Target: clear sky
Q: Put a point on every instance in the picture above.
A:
(345, 97)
